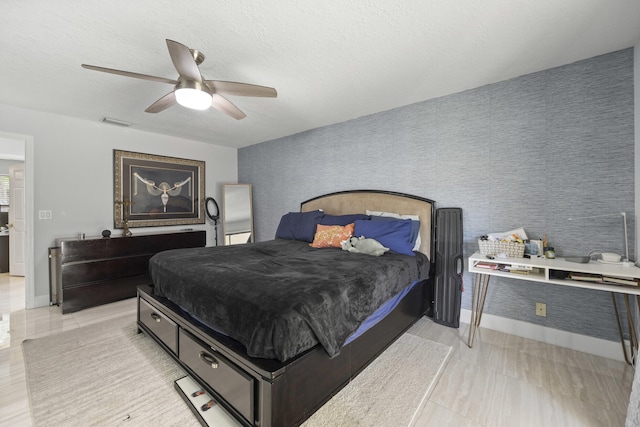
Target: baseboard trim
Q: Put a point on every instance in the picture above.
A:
(584, 343)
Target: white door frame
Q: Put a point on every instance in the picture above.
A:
(29, 166)
(17, 224)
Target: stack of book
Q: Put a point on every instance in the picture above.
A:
(609, 280)
(521, 269)
(585, 277)
(628, 281)
(508, 268)
(488, 265)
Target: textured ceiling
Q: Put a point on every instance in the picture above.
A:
(330, 60)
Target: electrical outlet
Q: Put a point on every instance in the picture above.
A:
(44, 215)
(541, 309)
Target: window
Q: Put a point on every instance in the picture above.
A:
(4, 190)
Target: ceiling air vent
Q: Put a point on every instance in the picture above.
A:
(115, 121)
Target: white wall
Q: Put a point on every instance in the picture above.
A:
(11, 149)
(73, 175)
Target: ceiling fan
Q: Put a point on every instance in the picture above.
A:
(191, 90)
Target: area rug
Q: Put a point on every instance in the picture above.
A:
(391, 391)
(107, 374)
(102, 375)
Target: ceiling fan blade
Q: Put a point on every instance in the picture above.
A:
(222, 104)
(183, 61)
(163, 103)
(241, 89)
(129, 74)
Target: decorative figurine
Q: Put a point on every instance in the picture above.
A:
(125, 207)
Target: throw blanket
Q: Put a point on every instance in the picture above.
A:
(281, 297)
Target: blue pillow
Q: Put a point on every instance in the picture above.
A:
(395, 235)
(299, 225)
(415, 226)
(342, 219)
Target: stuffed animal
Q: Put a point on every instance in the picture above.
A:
(363, 245)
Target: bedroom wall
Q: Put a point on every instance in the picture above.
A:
(636, 74)
(528, 152)
(73, 175)
(633, 410)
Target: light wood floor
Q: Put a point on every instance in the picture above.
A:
(503, 381)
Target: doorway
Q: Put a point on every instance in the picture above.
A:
(18, 148)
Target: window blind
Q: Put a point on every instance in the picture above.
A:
(4, 190)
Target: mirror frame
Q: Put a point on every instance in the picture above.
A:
(225, 207)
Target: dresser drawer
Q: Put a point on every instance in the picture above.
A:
(162, 327)
(231, 383)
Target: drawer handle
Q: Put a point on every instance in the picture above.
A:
(155, 317)
(209, 360)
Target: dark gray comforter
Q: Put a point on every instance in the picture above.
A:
(282, 297)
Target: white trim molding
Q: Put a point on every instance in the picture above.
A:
(573, 341)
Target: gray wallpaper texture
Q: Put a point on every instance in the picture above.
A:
(528, 152)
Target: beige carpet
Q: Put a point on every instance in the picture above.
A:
(107, 374)
(391, 391)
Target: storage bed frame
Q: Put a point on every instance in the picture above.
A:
(269, 393)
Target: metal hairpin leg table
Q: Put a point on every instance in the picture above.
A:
(547, 271)
(480, 287)
(630, 355)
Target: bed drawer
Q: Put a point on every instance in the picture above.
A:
(231, 383)
(161, 326)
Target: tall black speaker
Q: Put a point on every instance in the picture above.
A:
(447, 293)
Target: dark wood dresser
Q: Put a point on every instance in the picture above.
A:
(93, 271)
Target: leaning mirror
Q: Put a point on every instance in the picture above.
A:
(237, 214)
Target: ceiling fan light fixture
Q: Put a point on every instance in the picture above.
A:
(193, 98)
(193, 95)
(190, 90)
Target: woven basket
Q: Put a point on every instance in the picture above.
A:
(491, 247)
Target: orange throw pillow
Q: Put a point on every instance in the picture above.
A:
(330, 236)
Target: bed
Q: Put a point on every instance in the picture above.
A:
(268, 369)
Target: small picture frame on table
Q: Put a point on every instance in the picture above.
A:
(533, 249)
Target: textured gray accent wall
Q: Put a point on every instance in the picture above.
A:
(532, 152)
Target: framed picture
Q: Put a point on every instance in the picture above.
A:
(152, 191)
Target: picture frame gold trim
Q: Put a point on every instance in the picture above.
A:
(153, 191)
